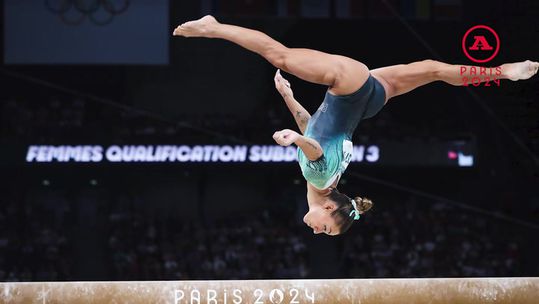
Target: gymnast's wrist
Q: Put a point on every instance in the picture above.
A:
(287, 97)
(299, 139)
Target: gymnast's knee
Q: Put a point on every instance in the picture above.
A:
(277, 56)
(433, 68)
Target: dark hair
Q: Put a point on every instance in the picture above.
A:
(344, 207)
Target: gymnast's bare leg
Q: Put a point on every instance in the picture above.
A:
(343, 75)
(403, 78)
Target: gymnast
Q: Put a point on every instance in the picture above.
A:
(354, 93)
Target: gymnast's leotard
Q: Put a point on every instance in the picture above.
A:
(333, 125)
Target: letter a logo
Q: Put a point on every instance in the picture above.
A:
(481, 43)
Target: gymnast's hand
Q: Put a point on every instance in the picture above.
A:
(286, 137)
(282, 85)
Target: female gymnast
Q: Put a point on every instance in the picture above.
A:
(354, 93)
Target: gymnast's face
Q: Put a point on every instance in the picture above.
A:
(320, 220)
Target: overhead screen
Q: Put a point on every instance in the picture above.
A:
(444, 154)
(86, 32)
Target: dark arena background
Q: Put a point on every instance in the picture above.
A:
(128, 154)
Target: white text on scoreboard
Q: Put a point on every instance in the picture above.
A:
(180, 153)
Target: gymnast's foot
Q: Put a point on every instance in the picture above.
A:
(520, 70)
(202, 27)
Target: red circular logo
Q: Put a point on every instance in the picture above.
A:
(485, 47)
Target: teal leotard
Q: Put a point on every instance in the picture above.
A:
(333, 125)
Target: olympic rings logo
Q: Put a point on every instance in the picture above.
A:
(99, 12)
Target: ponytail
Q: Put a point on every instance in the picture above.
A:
(346, 213)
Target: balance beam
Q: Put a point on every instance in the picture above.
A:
(363, 291)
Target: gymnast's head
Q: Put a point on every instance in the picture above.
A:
(336, 214)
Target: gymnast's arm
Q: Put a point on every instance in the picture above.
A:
(298, 111)
(310, 147)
